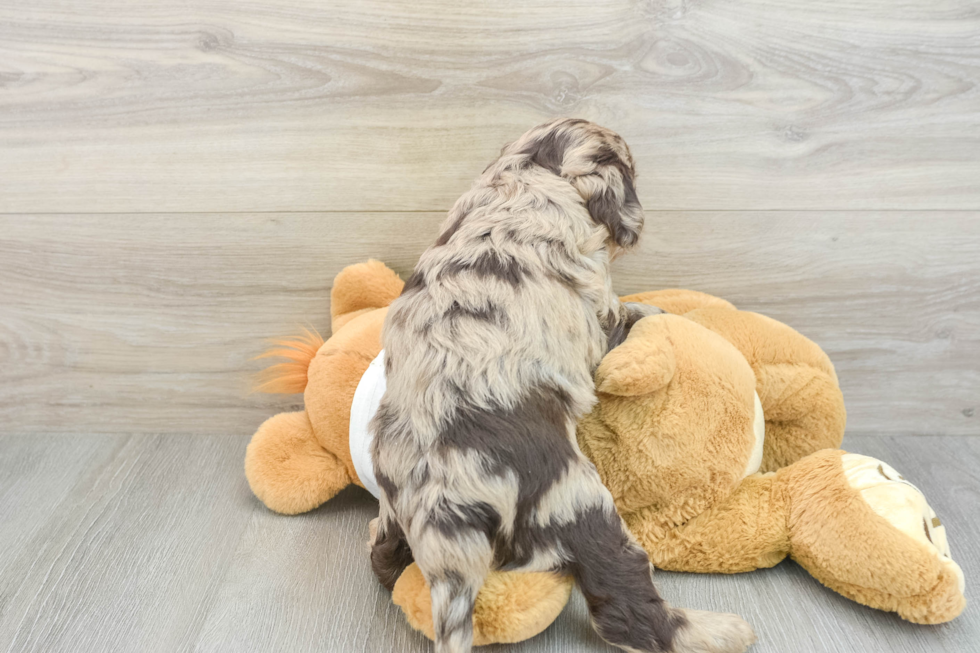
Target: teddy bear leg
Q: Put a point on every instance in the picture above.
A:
(864, 531)
(362, 287)
(678, 301)
(804, 411)
(511, 607)
(745, 531)
(287, 468)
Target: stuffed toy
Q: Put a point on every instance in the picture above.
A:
(717, 432)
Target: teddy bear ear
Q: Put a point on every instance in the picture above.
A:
(644, 363)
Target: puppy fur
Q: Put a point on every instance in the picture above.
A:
(490, 353)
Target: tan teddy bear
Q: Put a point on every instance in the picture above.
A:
(690, 409)
(676, 436)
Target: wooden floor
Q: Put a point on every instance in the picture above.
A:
(115, 543)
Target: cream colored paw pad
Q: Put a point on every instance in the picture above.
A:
(900, 503)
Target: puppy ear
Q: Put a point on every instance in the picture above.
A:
(610, 197)
(620, 212)
(598, 164)
(644, 363)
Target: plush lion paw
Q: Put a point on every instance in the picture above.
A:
(903, 506)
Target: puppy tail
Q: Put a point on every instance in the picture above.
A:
(455, 575)
(453, 597)
(289, 377)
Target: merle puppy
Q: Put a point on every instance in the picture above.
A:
(489, 356)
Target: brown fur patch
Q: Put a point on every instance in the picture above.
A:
(490, 265)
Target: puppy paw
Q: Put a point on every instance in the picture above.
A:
(638, 311)
(372, 533)
(713, 632)
(902, 505)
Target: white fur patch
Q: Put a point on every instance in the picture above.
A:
(578, 489)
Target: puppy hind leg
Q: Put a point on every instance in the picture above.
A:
(390, 552)
(616, 577)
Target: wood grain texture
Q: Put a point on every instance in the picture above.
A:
(212, 105)
(121, 543)
(147, 323)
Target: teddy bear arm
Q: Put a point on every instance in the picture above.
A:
(678, 301)
(511, 607)
(288, 469)
(864, 531)
(745, 531)
(643, 363)
(804, 411)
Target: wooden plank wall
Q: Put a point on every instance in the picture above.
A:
(179, 181)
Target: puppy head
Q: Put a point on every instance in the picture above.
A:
(598, 163)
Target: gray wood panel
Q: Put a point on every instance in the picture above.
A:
(893, 298)
(117, 543)
(147, 323)
(214, 105)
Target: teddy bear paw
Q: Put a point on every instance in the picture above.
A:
(902, 504)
